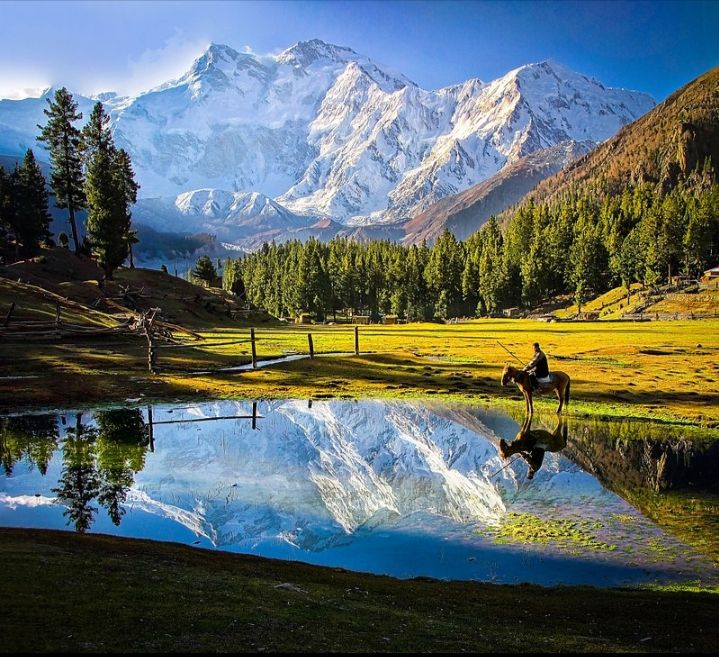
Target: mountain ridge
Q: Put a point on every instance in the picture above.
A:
(326, 131)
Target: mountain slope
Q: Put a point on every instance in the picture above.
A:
(662, 146)
(464, 213)
(327, 132)
(231, 216)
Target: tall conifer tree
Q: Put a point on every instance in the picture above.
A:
(7, 207)
(125, 180)
(107, 188)
(64, 143)
(32, 220)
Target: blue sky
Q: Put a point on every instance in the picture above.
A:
(131, 45)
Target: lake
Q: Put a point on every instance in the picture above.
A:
(396, 488)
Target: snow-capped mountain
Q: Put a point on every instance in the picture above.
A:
(326, 132)
(231, 216)
(466, 212)
(246, 220)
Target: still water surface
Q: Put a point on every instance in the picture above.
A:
(395, 488)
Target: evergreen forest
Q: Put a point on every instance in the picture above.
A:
(88, 172)
(582, 243)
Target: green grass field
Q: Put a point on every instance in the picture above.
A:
(665, 370)
(94, 593)
(104, 594)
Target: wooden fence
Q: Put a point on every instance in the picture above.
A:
(157, 334)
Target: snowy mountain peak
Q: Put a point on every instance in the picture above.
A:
(306, 53)
(219, 203)
(220, 65)
(223, 58)
(325, 131)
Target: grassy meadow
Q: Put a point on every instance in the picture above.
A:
(164, 597)
(111, 594)
(664, 370)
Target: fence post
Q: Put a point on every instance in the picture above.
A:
(254, 415)
(312, 348)
(147, 322)
(151, 355)
(254, 348)
(9, 313)
(152, 433)
(356, 340)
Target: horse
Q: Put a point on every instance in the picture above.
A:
(559, 384)
(531, 444)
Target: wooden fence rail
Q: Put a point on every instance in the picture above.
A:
(157, 334)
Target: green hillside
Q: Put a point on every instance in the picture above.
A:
(664, 146)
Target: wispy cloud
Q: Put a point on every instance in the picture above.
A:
(156, 65)
(7, 90)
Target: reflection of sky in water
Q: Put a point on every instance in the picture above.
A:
(384, 487)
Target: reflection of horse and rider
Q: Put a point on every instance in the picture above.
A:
(531, 444)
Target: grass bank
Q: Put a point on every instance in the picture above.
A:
(664, 370)
(94, 593)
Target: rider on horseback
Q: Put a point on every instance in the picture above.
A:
(538, 367)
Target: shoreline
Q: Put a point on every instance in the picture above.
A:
(51, 402)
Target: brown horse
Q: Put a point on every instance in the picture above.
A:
(531, 444)
(559, 384)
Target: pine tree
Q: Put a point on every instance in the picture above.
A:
(587, 259)
(110, 189)
(96, 135)
(125, 180)
(64, 143)
(106, 232)
(444, 274)
(8, 182)
(204, 270)
(491, 267)
(32, 218)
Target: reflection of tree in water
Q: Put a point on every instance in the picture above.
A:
(101, 462)
(28, 436)
(79, 483)
(121, 445)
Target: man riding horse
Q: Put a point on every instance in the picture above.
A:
(537, 368)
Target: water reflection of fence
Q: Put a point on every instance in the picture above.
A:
(151, 423)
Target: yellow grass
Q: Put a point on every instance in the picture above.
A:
(663, 369)
(703, 302)
(610, 305)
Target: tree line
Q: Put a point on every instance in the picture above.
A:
(583, 243)
(88, 173)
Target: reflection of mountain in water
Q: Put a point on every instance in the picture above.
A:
(639, 454)
(620, 453)
(674, 480)
(385, 487)
(311, 474)
(669, 472)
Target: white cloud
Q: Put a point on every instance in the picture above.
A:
(157, 65)
(16, 83)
